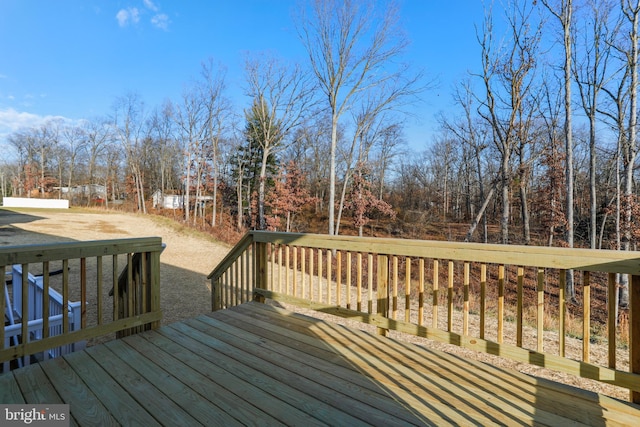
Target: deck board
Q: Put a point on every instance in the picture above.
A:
(153, 399)
(87, 406)
(297, 408)
(223, 405)
(35, 387)
(397, 369)
(345, 386)
(247, 390)
(196, 405)
(338, 393)
(261, 365)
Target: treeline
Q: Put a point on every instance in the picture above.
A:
(540, 147)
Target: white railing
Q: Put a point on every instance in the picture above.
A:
(36, 312)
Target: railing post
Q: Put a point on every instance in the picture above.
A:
(634, 332)
(216, 294)
(154, 286)
(261, 266)
(382, 307)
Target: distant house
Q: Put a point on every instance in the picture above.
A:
(167, 201)
(93, 190)
(175, 201)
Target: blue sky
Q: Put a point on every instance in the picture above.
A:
(72, 58)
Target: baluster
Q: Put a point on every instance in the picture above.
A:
(519, 308)
(436, 278)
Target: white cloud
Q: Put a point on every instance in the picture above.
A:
(131, 16)
(127, 16)
(161, 21)
(123, 17)
(12, 120)
(3, 76)
(149, 5)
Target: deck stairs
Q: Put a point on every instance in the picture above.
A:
(13, 316)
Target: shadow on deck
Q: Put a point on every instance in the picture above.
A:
(259, 365)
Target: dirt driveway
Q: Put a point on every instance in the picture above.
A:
(188, 258)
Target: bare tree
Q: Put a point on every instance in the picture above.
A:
(128, 124)
(590, 66)
(75, 142)
(312, 143)
(563, 11)
(161, 128)
(388, 146)
(550, 188)
(615, 113)
(472, 133)
(507, 75)
(218, 111)
(372, 121)
(629, 147)
(191, 120)
(444, 149)
(98, 134)
(113, 161)
(24, 142)
(239, 168)
(351, 49)
(622, 96)
(47, 138)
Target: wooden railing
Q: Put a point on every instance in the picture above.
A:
(88, 271)
(472, 295)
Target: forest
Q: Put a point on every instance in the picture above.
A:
(541, 147)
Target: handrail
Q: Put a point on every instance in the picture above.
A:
(627, 262)
(231, 256)
(89, 269)
(368, 279)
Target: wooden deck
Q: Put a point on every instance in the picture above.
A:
(258, 365)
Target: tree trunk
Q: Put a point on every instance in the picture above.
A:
(343, 195)
(240, 216)
(524, 207)
(633, 14)
(474, 224)
(187, 187)
(593, 205)
(332, 173)
(262, 222)
(504, 222)
(215, 188)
